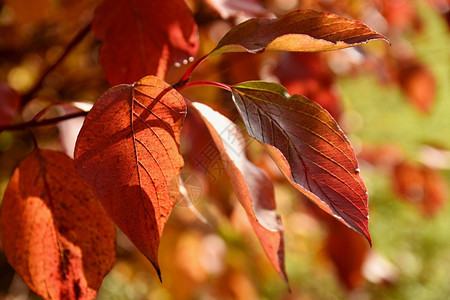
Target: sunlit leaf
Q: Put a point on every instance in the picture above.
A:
(252, 186)
(311, 150)
(56, 234)
(128, 152)
(143, 37)
(299, 30)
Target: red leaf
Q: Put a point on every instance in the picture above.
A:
(251, 184)
(314, 153)
(128, 152)
(299, 30)
(9, 104)
(143, 37)
(56, 234)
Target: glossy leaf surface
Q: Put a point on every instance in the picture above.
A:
(299, 30)
(143, 37)
(56, 234)
(128, 152)
(311, 150)
(251, 184)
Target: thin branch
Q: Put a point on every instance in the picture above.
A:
(187, 75)
(35, 123)
(205, 83)
(37, 86)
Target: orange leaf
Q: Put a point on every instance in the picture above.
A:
(299, 30)
(310, 149)
(128, 152)
(56, 234)
(143, 37)
(251, 184)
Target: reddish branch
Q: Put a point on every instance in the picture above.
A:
(36, 123)
(37, 86)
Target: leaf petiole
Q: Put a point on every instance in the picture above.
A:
(189, 71)
(204, 83)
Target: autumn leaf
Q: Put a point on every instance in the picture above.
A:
(251, 184)
(143, 37)
(56, 234)
(9, 104)
(311, 150)
(299, 30)
(128, 152)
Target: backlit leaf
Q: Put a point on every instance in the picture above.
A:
(312, 151)
(56, 234)
(251, 184)
(128, 152)
(299, 30)
(143, 37)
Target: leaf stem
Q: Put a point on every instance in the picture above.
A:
(206, 83)
(35, 123)
(75, 41)
(187, 75)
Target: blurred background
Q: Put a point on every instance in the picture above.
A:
(391, 100)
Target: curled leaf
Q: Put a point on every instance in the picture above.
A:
(310, 149)
(299, 30)
(251, 184)
(128, 152)
(56, 234)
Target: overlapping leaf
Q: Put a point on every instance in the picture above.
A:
(252, 186)
(56, 234)
(128, 152)
(312, 151)
(299, 30)
(143, 37)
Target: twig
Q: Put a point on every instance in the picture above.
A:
(76, 40)
(35, 123)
